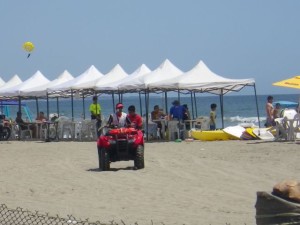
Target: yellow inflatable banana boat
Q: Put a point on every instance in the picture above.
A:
(210, 135)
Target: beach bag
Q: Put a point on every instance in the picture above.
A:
(288, 189)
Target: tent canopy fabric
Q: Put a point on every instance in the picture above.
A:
(201, 79)
(35, 80)
(2, 82)
(166, 77)
(14, 81)
(293, 82)
(165, 71)
(41, 91)
(85, 80)
(114, 86)
(115, 75)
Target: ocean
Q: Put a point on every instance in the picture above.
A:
(237, 109)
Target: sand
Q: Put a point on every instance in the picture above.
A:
(182, 183)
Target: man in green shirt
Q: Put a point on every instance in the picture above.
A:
(95, 110)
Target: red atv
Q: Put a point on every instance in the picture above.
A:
(121, 144)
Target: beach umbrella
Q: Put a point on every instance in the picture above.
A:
(293, 82)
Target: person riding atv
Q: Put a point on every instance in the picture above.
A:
(119, 118)
(122, 141)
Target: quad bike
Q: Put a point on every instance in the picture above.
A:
(4, 129)
(121, 144)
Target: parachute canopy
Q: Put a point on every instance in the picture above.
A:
(28, 46)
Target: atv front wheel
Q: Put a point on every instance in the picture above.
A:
(139, 158)
(103, 159)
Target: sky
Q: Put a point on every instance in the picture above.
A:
(235, 38)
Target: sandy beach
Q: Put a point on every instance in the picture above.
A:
(182, 183)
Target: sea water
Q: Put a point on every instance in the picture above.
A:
(237, 109)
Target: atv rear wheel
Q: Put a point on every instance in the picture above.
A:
(103, 159)
(139, 158)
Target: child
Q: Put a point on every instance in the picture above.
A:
(277, 111)
(212, 116)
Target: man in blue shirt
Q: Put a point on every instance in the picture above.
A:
(176, 111)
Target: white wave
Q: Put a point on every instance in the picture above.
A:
(240, 119)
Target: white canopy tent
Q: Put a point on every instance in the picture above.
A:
(2, 82)
(91, 75)
(165, 71)
(114, 86)
(14, 81)
(201, 79)
(115, 75)
(166, 77)
(41, 91)
(35, 80)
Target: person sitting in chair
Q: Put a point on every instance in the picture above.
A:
(157, 114)
(24, 125)
(41, 117)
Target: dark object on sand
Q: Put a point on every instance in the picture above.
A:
(271, 209)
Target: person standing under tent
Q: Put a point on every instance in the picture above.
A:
(95, 110)
(176, 111)
(270, 112)
(212, 116)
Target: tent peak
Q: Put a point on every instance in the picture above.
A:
(117, 69)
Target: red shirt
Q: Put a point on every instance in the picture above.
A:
(136, 120)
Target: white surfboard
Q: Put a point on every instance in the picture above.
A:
(263, 133)
(235, 131)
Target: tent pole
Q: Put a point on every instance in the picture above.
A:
(72, 104)
(166, 103)
(20, 110)
(192, 103)
(57, 106)
(47, 139)
(222, 109)
(146, 108)
(256, 105)
(195, 102)
(140, 99)
(83, 105)
(113, 101)
(37, 106)
(47, 105)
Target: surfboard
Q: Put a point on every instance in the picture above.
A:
(250, 131)
(235, 131)
(263, 133)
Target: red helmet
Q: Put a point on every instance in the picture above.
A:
(119, 106)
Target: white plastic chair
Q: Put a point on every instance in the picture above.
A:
(25, 134)
(289, 126)
(173, 130)
(151, 130)
(295, 131)
(87, 130)
(66, 129)
(202, 123)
